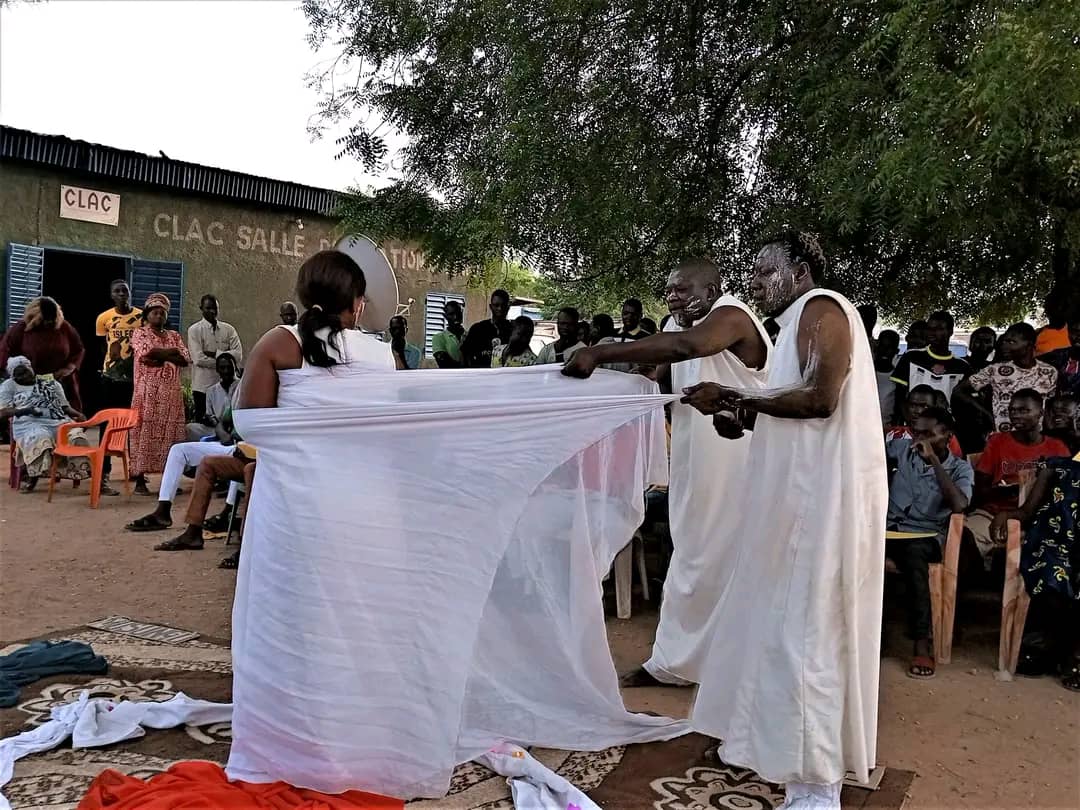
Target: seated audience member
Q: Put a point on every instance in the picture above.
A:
(1009, 454)
(232, 562)
(288, 313)
(886, 349)
(446, 345)
(648, 326)
(1067, 361)
(516, 353)
(584, 332)
(1018, 369)
(408, 355)
(563, 348)
(632, 328)
(929, 485)
(921, 398)
(38, 407)
(980, 347)
(1062, 421)
(1055, 335)
(1050, 566)
(916, 336)
(935, 365)
(603, 329)
(221, 398)
(212, 469)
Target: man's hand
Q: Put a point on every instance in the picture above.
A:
(581, 365)
(999, 526)
(925, 451)
(710, 398)
(210, 354)
(728, 425)
(66, 371)
(28, 412)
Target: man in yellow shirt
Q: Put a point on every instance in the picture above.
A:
(118, 374)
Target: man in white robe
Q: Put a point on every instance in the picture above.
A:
(790, 682)
(709, 337)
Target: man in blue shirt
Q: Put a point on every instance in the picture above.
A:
(929, 484)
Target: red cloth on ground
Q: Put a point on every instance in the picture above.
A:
(202, 786)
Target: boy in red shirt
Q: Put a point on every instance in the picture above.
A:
(1007, 456)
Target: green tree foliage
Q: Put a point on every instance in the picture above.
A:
(934, 145)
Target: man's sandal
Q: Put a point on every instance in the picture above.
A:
(922, 668)
(1070, 677)
(230, 563)
(150, 523)
(179, 544)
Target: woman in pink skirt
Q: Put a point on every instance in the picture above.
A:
(159, 355)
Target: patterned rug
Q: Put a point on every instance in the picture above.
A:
(659, 776)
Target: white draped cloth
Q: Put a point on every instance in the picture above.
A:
(790, 682)
(707, 472)
(421, 571)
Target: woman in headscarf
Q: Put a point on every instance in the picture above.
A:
(52, 345)
(159, 355)
(37, 407)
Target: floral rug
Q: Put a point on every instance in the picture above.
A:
(660, 776)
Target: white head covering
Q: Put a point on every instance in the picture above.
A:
(14, 362)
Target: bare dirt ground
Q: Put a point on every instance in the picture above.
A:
(973, 741)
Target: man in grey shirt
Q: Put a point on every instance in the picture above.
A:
(929, 484)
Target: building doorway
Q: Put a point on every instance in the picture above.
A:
(80, 284)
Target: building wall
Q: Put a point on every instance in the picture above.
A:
(247, 257)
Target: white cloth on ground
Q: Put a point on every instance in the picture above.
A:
(98, 722)
(801, 796)
(790, 681)
(707, 474)
(533, 785)
(181, 456)
(393, 619)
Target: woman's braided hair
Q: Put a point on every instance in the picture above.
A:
(801, 246)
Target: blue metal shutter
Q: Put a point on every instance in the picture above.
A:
(25, 271)
(148, 277)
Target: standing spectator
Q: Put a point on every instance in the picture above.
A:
(1067, 360)
(922, 398)
(632, 312)
(563, 348)
(446, 345)
(516, 353)
(603, 328)
(648, 326)
(116, 326)
(1007, 455)
(980, 347)
(916, 336)
(51, 344)
(935, 365)
(886, 349)
(929, 485)
(159, 355)
(584, 332)
(288, 313)
(483, 337)
(869, 315)
(410, 355)
(1018, 370)
(206, 339)
(1061, 421)
(1055, 335)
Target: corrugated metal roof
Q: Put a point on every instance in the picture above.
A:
(60, 152)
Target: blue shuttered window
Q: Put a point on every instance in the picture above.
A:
(25, 271)
(148, 277)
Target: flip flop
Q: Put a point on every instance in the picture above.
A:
(921, 662)
(149, 523)
(179, 544)
(230, 563)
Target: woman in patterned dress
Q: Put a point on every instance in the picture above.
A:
(1050, 564)
(159, 355)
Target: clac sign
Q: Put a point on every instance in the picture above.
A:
(88, 205)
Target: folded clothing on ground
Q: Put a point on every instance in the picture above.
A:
(41, 658)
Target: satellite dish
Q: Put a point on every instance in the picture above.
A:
(382, 289)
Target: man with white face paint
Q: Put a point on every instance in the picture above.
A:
(790, 682)
(709, 337)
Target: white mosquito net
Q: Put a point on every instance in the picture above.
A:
(422, 565)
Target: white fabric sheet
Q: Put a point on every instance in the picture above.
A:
(421, 571)
(707, 473)
(99, 722)
(790, 681)
(533, 785)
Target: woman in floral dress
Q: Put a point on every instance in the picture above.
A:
(159, 355)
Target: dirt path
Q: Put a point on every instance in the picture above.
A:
(975, 742)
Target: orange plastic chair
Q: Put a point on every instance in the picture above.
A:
(118, 422)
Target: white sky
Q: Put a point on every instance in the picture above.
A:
(215, 82)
